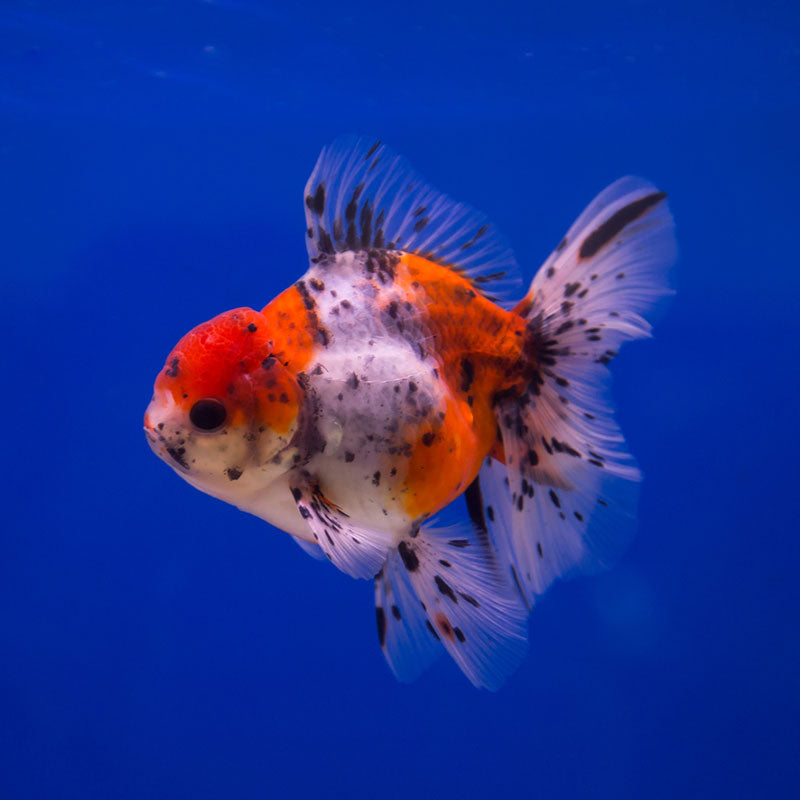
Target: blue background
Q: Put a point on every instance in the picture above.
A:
(157, 643)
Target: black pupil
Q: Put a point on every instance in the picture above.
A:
(207, 414)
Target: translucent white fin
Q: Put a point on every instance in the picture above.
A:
(403, 631)
(566, 498)
(361, 196)
(314, 550)
(465, 602)
(610, 267)
(356, 551)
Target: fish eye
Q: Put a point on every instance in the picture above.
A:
(208, 414)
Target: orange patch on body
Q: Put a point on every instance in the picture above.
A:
(230, 358)
(293, 329)
(479, 346)
(444, 460)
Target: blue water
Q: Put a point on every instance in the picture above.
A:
(157, 643)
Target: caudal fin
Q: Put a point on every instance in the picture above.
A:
(565, 498)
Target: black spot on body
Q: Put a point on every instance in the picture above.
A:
(233, 473)
(308, 301)
(177, 454)
(467, 374)
(172, 369)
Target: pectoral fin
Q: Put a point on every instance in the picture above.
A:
(357, 551)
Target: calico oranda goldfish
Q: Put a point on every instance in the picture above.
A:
(391, 380)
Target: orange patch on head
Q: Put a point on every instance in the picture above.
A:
(207, 361)
(229, 358)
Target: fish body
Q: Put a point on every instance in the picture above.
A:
(387, 382)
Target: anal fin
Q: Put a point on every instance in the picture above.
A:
(448, 591)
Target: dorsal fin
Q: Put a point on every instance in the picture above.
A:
(361, 196)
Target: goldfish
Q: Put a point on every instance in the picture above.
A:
(401, 373)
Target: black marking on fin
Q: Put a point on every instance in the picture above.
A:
(380, 619)
(474, 499)
(603, 234)
(316, 202)
(410, 560)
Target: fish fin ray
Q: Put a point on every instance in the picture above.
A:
(357, 551)
(361, 196)
(467, 604)
(312, 549)
(406, 641)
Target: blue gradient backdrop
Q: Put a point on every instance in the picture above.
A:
(157, 643)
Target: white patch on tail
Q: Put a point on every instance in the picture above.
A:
(565, 499)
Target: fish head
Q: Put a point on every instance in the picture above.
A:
(225, 410)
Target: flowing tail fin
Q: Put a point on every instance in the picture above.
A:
(565, 499)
